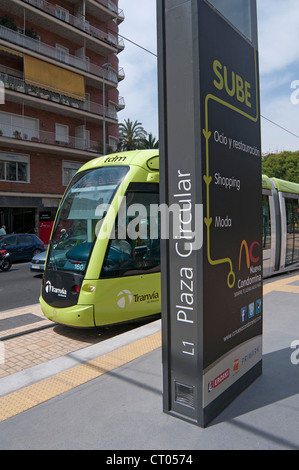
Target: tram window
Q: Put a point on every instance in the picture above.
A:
(266, 223)
(134, 248)
(292, 221)
(75, 228)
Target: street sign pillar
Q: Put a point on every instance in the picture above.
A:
(210, 167)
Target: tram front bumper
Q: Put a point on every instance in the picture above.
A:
(78, 315)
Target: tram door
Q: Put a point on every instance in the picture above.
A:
(292, 230)
(268, 235)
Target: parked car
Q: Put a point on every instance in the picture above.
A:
(38, 262)
(22, 246)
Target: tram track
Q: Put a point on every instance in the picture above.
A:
(26, 332)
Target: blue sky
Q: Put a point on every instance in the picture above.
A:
(278, 23)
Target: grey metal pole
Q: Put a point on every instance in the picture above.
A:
(104, 116)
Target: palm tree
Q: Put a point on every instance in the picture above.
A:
(149, 142)
(131, 133)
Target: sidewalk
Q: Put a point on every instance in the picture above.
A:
(109, 395)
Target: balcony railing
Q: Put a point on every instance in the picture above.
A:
(49, 51)
(121, 102)
(77, 21)
(17, 84)
(111, 6)
(48, 138)
(121, 73)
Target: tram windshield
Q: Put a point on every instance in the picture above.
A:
(75, 227)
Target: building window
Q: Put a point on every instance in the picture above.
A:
(62, 53)
(113, 141)
(15, 124)
(61, 133)
(62, 14)
(14, 168)
(69, 169)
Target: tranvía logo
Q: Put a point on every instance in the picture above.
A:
(125, 298)
(48, 287)
(51, 289)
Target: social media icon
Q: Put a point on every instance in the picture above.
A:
(243, 314)
(258, 306)
(251, 310)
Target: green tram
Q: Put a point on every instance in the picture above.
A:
(96, 274)
(90, 278)
(280, 225)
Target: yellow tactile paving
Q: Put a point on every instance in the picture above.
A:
(28, 397)
(282, 285)
(27, 351)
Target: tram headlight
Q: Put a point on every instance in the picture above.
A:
(89, 288)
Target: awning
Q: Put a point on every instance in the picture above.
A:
(53, 78)
(11, 51)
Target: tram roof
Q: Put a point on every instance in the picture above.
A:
(147, 159)
(286, 186)
(266, 182)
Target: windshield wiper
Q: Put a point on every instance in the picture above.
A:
(51, 254)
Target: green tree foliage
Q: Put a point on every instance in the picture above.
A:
(134, 137)
(149, 142)
(131, 133)
(283, 165)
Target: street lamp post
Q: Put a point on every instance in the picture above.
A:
(105, 66)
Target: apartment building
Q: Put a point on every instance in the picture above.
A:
(59, 75)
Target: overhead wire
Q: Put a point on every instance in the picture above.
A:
(264, 117)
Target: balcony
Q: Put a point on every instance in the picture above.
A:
(51, 52)
(79, 22)
(121, 103)
(108, 10)
(28, 139)
(121, 74)
(70, 105)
